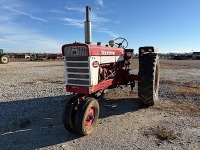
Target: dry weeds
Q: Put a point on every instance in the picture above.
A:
(165, 66)
(192, 84)
(135, 64)
(165, 81)
(161, 133)
(52, 65)
(180, 107)
(28, 60)
(187, 91)
(117, 95)
(44, 79)
(179, 64)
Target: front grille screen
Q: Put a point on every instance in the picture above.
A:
(79, 76)
(72, 64)
(78, 82)
(76, 51)
(77, 65)
(77, 70)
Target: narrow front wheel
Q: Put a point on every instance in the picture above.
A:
(69, 114)
(86, 116)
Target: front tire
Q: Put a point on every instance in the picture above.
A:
(149, 74)
(69, 114)
(87, 116)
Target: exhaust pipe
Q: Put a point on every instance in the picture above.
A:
(88, 27)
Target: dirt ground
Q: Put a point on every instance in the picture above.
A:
(33, 96)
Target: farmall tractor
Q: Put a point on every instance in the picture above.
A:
(90, 69)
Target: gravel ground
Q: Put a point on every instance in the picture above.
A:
(32, 97)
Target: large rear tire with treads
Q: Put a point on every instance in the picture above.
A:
(149, 75)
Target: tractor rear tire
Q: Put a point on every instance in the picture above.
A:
(87, 116)
(149, 75)
(5, 59)
(69, 114)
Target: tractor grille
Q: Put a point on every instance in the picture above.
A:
(77, 71)
(72, 64)
(76, 51)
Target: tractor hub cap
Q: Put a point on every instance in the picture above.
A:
(4, 60)
(90, 116)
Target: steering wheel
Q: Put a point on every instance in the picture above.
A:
(119, 45)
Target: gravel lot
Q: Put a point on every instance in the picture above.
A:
(32, 97)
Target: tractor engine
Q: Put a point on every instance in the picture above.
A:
(89, 65)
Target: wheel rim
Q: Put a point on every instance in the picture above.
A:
(90, 117)
(4, 60)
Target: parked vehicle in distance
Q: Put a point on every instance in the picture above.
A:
(4, 59)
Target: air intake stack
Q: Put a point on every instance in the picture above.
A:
(88, 27)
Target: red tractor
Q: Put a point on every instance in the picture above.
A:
(90, 69)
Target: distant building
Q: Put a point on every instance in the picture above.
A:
(196, 55)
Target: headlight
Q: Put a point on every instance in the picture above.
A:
(142, 50)
(73, 51)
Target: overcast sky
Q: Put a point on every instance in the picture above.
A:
(45, 25)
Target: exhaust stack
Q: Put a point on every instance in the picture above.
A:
(88, 27)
